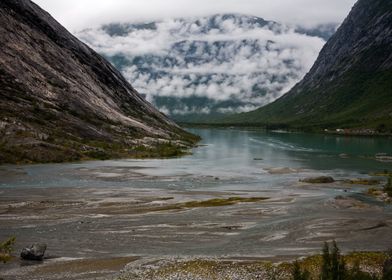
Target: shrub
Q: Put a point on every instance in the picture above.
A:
(298, 274)
(388, 186)
(6, 249)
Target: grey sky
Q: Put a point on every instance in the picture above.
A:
(79, 14)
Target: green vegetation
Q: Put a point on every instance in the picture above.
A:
(25, 148)
(366, 182)
(388, 186)
(221, 202)
(6, 249)
(351, 91)
(331, 265)
(298, 274)
(216, 202)
(358, 100)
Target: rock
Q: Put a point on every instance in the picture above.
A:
(318, 180)
(282, 170)
(34, 253)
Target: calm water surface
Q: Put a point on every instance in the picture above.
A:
(239, 156)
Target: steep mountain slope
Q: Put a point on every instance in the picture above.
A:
(60, 100)
(349, 85)
(197, 68)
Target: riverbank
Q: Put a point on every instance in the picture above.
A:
(183, 268)
(93, 233)
(366, 132)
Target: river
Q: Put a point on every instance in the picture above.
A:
(109, 208)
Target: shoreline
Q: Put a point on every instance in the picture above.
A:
(179, 267)
(348, 132)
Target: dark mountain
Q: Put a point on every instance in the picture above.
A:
(349, 85)
(197, 68)
(60, 100)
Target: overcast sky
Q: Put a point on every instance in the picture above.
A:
(79, 14)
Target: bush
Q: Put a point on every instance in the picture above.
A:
(387, 267)
(388, 186)
(298, 274)
(333, 267)
(6, 249)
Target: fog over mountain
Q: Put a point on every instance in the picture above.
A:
(197, 66)
(76, 15)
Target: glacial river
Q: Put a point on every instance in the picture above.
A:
(125, 207)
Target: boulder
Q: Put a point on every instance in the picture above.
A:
(318, 180)
(35, 252)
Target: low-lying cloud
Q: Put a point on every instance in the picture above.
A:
(221, 64)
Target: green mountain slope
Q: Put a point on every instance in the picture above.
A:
(350, 84)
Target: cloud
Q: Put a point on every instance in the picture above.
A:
(231, 64)
(76, 14)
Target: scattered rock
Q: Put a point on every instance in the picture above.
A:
(282, 170)
(35, 252)
(383, 157)
(344, 202)
(318, 180)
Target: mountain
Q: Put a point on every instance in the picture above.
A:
(195, 69)
(60, 100)
(350, 84)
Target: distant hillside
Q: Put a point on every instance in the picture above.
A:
(194, 69)
(60, 100)
(350, 84)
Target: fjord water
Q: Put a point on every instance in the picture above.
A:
(223, 153)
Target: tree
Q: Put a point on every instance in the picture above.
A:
(387, 267)
(334, 266)
(6, 249)
(298, 274)
(326, 266)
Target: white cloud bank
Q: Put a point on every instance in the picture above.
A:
(222, 63)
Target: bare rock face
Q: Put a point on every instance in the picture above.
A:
(35, 252)
(60, 100)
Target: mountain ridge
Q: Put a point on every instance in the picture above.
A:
(350, 83)
(60, 100)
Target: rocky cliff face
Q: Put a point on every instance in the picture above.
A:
(350, 84)
(60, 100)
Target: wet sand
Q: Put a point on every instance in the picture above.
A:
(102, 229)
